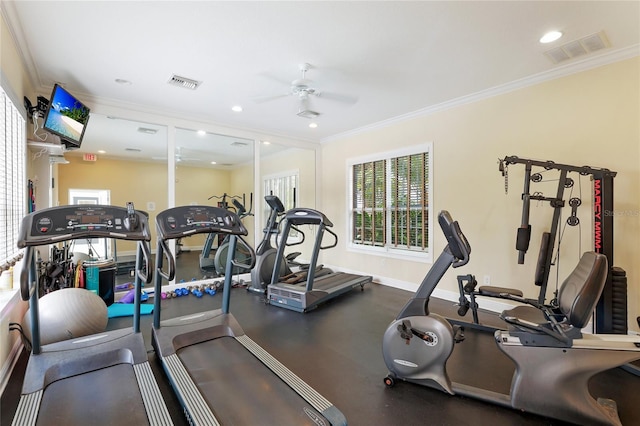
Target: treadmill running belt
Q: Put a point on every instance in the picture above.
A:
(90, 398)
(241, 390)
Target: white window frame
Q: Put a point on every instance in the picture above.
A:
(288, 204)
(387, 250)
(13, 182)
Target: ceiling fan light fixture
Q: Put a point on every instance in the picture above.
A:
(307, 113)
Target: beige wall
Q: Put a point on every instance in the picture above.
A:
(194, 185)
(139, 182)
(590, 118)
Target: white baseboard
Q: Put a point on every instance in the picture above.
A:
(9, 363)
(485, 303)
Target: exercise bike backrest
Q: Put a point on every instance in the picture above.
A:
(458, 244)
(581, 290)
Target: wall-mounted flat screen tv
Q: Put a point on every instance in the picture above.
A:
(66, 117)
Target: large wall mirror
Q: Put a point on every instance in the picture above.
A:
(289, 173)
(212, 169)
(132, 163)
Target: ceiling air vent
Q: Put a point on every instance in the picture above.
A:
(187, 83)
(573, 49)
(239, 144)
(147, 130)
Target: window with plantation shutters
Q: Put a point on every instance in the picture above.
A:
(390, 202)
(283, 186)
(12, 178)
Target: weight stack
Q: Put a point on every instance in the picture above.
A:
(619, 300)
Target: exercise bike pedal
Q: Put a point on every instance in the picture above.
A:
(390, 381)
(458, 333)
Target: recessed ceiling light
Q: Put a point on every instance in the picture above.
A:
(213, 162)
(102, 151)
(201, 132)
(550, 36)
(313, 125)
(266, 143)
(123, 81)
(236, 108)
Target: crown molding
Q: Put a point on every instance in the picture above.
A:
(555, 73)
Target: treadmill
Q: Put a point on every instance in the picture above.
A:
(218, 373)
(101, 379)
(315, 290)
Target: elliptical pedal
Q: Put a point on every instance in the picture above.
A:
(458, 333)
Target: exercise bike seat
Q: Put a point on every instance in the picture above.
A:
(577, 298)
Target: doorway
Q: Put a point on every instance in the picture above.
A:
(99, 248)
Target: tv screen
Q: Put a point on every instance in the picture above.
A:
(66, 117)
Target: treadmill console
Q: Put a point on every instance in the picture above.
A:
(304, 216)
(182, 221)
(83, 221)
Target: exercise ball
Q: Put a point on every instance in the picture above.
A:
(68, 313)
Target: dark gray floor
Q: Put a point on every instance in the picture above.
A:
(337, 350)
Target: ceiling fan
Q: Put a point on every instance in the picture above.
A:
(304, 88)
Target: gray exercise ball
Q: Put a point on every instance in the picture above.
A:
(68, 313)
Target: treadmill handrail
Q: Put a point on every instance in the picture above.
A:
(145, 272)
(335, 242)
(171, 273)
(26, 290)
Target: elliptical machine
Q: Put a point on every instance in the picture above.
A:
(554, 360)
(217, 262)
(266, 253)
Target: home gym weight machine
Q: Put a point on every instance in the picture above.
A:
(611, 310)
(217, 262)
(554, 361)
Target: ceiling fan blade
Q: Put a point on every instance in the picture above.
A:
(263, 99)
(347, 99)
(272, 77)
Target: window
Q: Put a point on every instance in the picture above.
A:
(390, 199)
(12, 178)
(284, 186)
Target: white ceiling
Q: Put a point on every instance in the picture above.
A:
(392, 58)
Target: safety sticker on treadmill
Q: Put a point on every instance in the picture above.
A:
(314, 417)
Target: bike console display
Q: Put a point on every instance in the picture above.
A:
(183, 221)
(64, 223)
